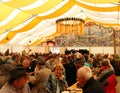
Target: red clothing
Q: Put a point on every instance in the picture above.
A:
(104, 68)
(111, 84)
(108, 79)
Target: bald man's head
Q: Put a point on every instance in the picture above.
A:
(83, 75)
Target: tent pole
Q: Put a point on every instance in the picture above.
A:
(114, 36)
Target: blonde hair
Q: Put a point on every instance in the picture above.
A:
(57, 65)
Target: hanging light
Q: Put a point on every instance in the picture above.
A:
(69, 26)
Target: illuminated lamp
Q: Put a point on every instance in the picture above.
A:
(69, 26)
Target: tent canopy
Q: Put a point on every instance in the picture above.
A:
(24, 22)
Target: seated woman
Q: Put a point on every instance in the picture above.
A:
(56, 82)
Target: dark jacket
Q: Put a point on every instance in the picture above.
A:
(71, 71)
(93, 86)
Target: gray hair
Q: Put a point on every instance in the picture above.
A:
(84, 72)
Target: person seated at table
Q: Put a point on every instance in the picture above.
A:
(87, 82)
(4, 73)
(56, 82)
(39, 78)
(17, 82)
(107, 77)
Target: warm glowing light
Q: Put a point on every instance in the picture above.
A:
(69, 26)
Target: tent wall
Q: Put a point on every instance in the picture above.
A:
(47, 49)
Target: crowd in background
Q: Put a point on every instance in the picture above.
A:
(54, 73)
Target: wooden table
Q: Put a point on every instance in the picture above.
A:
(74, 88)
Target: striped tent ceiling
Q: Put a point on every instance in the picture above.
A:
(22, 21)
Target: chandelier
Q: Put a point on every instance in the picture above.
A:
(69, 26)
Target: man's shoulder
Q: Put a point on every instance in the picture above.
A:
(6, 88)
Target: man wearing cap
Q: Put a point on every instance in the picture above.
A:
(79, 62)
(38, 80)
(17, 82)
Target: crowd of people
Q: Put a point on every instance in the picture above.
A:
(55, 73)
